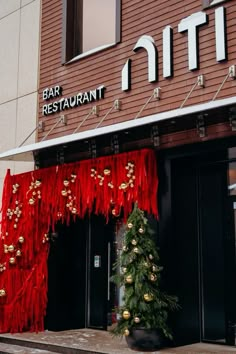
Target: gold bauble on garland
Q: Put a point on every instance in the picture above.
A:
(130, 225)
(125, 248)
(134, 242)
(12, 260)
(141, 230)
(150, 256)
(18, 253)
(2, 292)
(129, 279)
(21, 239)
(126, 315)
(11, 248)
(124, 269)
(136, 250)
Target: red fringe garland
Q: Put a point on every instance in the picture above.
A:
(33, 202)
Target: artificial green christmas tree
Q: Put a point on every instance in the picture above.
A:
(138, 270)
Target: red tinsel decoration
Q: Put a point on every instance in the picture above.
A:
(34, 202)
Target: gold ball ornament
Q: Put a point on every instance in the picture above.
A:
(153, 277)
(64, 193)
(129, 279)
(66, 183)
(12, 260)
(134, 242)
(150, 256)
(154, 268)
(11, 248)
(124, 269)
(126, 315)
(2, 292)
(148, 297)
(21, 239)
(141, 230)
(126, 332)
(136, 250)
(136, 319)
(18, 253)
(74, 210)
(125, 248)
(130, 225)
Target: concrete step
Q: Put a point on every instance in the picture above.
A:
(22, 346)
(18, 349)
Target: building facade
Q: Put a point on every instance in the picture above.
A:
(19, 61)
(118, 76)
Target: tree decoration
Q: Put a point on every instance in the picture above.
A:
(147, 304)
(130, 225)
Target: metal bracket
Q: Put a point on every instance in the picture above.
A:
(115, 144)
(95, 110)
(201, 81)
(63, 119)
(155, 136)
(200, 125)
(93, 148)
(232, 72)
(157, 93)
(60, 156)
(41, 126)
(232, 118)
(117, 105)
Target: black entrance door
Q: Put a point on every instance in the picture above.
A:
(79, 267)
(67, 277)
(201, 262)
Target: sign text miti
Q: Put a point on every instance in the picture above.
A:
(64, 103)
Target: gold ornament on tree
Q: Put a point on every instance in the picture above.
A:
(141, 230)
(148, 297)
(134, 242)
(129, 279)
(130, 225)
(126, 315)
(136, 250)
(153, 277)
(136, 319)
(126, 332)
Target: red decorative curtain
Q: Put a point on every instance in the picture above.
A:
(34, 202)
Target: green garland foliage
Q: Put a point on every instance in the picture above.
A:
(138, 270)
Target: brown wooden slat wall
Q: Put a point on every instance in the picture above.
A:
(139, 17)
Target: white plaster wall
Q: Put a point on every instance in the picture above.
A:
(19, 62)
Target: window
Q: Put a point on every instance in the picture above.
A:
(89, 26)
(208, 3)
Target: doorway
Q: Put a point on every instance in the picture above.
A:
(79, 266)
(200, 251)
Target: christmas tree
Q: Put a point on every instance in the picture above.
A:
(145, 305)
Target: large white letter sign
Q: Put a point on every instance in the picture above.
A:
(190, 24)
(147, 42)
(220, 34)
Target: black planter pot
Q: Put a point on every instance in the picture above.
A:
(145, 339)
